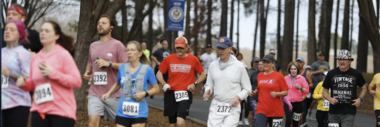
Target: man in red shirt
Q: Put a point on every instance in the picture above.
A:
(181, 67)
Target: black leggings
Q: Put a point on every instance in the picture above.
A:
(377, 114)
(297, 108)
(322, 117)
(288, 115)
(262, 120)
(15, 117)
(51, 121)
(246, 109)
(306, 105)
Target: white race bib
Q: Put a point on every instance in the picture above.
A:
(333, 125)
(326, 104)
(223, 108)
(297, 116)
(181, 95)
(43, 93)
(131, 108)
(4, 81)
(308, 95)
(277, 123)
(100, 78)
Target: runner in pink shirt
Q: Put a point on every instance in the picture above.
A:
(105, 57)
(53, 78)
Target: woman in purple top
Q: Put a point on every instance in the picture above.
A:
(15, 62)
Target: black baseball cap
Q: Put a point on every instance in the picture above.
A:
(208, 46)
(269, 58)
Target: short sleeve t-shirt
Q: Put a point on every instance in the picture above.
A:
(112, 50)
(149, 78)
(269, 106)
(376, 84)
(161, 54)
(343, 85)
(318, 66)
(207, 59)
(181, 70)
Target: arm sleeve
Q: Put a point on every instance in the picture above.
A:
(69, 76)
(89, 60)
(246, 84)
(209, 82)
(151, 76)
(318, 91)
(164, 66)
(122, 56)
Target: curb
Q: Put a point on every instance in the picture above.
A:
(190, 118)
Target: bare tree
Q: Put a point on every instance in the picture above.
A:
(298, 13)
(311, 57)
(223, 19)
(346, 25)
(232, 20)
(327, 28)
(287, 52)
(279, 59)
(362, 48)
(367, 14)
(187, 23)
(136, 30)
(336, 32)
(256, 26)
(263, 26)
(150, 29)
(209, 22)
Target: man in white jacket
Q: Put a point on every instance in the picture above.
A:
(228, 80)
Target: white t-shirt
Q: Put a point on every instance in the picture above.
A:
(207, 59)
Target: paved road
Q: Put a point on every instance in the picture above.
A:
(199, 110)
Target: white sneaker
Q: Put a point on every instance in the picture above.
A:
(246, 122)
(304, 125)
(240, 123)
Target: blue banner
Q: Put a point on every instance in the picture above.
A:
(176, 15)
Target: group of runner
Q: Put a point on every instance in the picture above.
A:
(120, 76)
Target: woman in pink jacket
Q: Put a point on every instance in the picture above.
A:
(298, 87)
(53, 78)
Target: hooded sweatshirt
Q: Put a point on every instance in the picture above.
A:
(227, 80)
(294, 94)
(63, 78)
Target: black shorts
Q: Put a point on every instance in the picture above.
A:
(51, 121)
(174, 109)
(127, 122)
(15, 117)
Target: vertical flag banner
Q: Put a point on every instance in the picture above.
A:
(176, 15)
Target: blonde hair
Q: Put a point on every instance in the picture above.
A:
(142, 58)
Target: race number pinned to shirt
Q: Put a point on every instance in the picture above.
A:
(333, 125)
(297, 116)
(181, 95)
(131, 108)
(308, 95)
(43, 93)
(277, 123)
(223, 108)
(100, 78)
(326, 104)
(4, 81)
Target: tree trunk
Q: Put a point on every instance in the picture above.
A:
(279, 59)
(136, 29)
(362, 48)
(287, 45)
(367, 14)
(232, 20)
(209, 22)
(187, 23)
(262, 28)
(167, 32)
(223, 19)
(298, 13)
(336, 33)
(86, 35)
(195, 27)
(125, 24)
(327, 28)
(150, 42)
(256, 26)
(238, 30)
(352, 24)
(346, 25)
(138, 12)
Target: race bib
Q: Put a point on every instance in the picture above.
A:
(277, 123)
(181, 95)
(131, 108)
(297, 116)
(4, 81)
(326, 104)
(43, 93)
(223, 108)
(100, 78)
(308, 95)
(333, 125)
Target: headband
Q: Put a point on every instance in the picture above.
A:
(14, 8)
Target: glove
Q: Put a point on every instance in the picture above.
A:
(165, 87)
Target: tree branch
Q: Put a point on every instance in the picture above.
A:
(116, 5)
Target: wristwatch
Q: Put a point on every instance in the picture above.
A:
(146, 94)
(110, 63)
(196, 84)
(361, 99)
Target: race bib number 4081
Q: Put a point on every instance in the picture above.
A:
(100, 78)
(43, 93)
(4, 81)
(181, 95)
